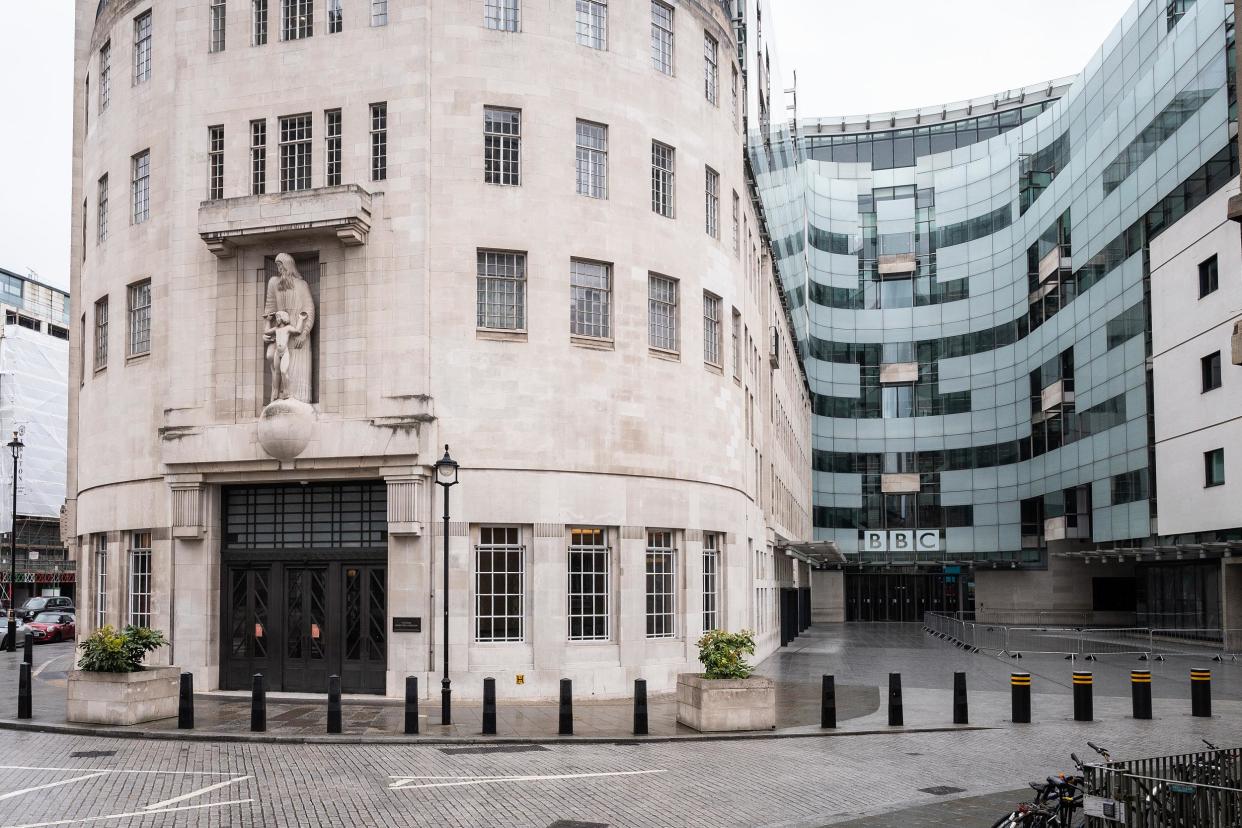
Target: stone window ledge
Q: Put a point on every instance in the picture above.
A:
(228, 223)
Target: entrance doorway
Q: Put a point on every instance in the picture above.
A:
(900, 596)
(296, 614)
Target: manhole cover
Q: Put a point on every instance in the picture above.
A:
(91, 754)
(569, 823)
(495, 749)
(942, 790)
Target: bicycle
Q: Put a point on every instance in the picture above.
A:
(1057, 799)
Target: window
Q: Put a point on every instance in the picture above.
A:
(711, 328)
(897, 401)
(57, 331)
(662, 37)
(662, 179)
(1209, 367)
(102, 219)
(590, 289)
(258, 22)
(502, 290)
(258, 157)
(498, 585)
(215, 163)
(711, 581)
(502, 145)
(711, 206)
(218, 9)
(379, 141)
(379, 12)
(1209, 277)
(1214, 467)
(662, 312)
(140, 318)
(737, 225)
(101, 334)
(142, 48)
(101, 580)
(140, 580)
(711, 73)
(661, 572)
(336, 18)
(502, 15)
(141, 186)
(295, 152)
(297, 19)
(593, 23)
(737, 344)
(105, 75)
(592, 160)
(589, 570)
(733, 86)
(82, 337)
(332, 147)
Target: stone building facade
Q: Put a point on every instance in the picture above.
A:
(527, 232)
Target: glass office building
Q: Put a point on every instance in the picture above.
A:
(970, 288)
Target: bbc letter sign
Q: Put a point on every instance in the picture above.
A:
(907, 540)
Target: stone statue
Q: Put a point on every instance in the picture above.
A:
(290, 314)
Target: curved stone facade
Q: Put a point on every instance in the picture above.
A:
(473, 211)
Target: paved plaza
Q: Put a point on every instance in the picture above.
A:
(866, 775)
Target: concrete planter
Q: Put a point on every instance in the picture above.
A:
(123, 698)
(713, 705)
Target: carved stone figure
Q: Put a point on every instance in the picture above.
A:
(290, 314)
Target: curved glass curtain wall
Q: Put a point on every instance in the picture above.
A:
(1011, 270)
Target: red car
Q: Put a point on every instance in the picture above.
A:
(52, 626)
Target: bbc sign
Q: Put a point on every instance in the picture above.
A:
(912, 540)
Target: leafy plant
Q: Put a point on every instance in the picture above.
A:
(108, 651)
(722, 654)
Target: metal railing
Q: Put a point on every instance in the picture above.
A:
(1087, 642)
(1203, 790)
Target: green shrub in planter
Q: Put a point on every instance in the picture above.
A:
(722, 654)
(109, 651)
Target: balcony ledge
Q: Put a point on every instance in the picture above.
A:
(228, 223)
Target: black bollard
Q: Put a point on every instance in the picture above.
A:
(411, 704)
(1020, 686)
(828, 702)
(1082, 697)
(185, 703)
(334, 704)
(1140, 693)
(1201, 693)
(894, 700)
(961, 714)
(489, 706)
(258, 705)
(567, 708)
(23, 693)
(28, 648)
(640, 707)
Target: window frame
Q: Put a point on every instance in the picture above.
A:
(484, 289)
(295, 151)
(144, 25)
(663, 179)
(502, 146)
(712, 342)
(101, 579)
(591, 23)
(332, 147)
(258, 22)
(218, 28)
(711, 581)
(105, 75)
(101, 333)
(379, 13)
(258, 156)
(297, 19)
(506, 548)
(1209, 276)
(591, 162)
(663, 38)
(336, 17)
(1209, 468)
(1210, 372)
(379, 140)
(670, 344)
(660, 585)
(215, 162)
(711, 69)
(140, 186)
(711, 202)
(596, 552)
(140, 592)
(502, 15)
(587, 300)
(138, 318)
(101, 209)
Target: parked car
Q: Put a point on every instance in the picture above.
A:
(48, 627)
(22, 632)
(44, 603)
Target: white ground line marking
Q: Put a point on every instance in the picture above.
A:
(193, 794)
(407, 782)
(130, 814)
(12, 794)
(48, 663)
(110, 770)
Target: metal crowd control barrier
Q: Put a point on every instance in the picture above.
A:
(1116, 641)
(1201, 789)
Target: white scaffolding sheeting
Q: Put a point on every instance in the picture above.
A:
(34, 398)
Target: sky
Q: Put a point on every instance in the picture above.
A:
(852, 57)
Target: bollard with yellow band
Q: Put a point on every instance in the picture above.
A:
(1140, 693)
(1020, 686)
(1082, 697)
(1201, 693)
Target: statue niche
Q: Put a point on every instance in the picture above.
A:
(287, 422)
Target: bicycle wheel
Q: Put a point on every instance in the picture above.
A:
(1012, 820)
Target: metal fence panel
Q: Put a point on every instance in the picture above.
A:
(1202, 789)
(1054, 640)
(1116, 641)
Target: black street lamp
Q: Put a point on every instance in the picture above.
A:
(15, 445)
(446, 476)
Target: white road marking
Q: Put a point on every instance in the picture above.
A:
(192, 794)
(130, 814)
(22, 791)
(407, 782)
(91, 770)
(48, 663)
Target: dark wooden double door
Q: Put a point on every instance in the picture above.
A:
(904, 597)
(299, 621)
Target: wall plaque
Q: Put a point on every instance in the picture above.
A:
(407, 624)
